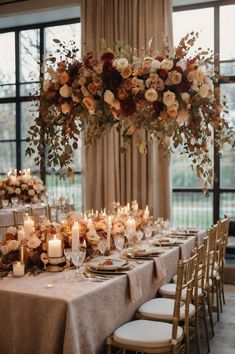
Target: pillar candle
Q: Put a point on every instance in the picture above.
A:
(109, 232)
(28, 226)
(20, 234)
(54, 247)
(146, 212)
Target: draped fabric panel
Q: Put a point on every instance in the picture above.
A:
(111, 175)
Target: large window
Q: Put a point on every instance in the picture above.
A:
(216, 27)
(24, 49)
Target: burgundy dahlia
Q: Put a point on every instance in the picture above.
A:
(86, 59)
(163, 74)
(128, 106)
(184, 86)
(158, 106)
(108, 56)
(73, 69)
(159, 58)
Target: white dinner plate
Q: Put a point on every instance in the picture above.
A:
(99, 264)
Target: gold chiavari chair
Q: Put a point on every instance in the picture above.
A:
(159, 336)
(55, 211)
(19, 216)
(168, 291)
(3, 230)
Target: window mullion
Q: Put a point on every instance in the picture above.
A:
(18, 117)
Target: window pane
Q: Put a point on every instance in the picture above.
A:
(29, 55)
(26, 89)
(7, 121)
(192, 210)
(7, 90)
(182, 174)
(227, 168)
(228, 90)
(27, 117)
(227, 69)
(227, 204)
(68, 188)
(7, 156)
(7, 58)
(201, 20)
(64, 33)
(227, 32)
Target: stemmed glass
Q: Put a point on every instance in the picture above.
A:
(119, 242)
(139, 235)
(148, 233)
(5, 203)
(68, 255)
(78, 258)
(102, 246)
(15, 201)
(128, 235)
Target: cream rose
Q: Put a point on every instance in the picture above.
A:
(10, 190)
(168, 98)
(199, 76)
(122, 64)
(167, 64)
(65, 91)
(126, 72)
(108, 97)
(65, 108)
(204, 90)
(46, 85)
(11, 230)
(151, 95)
(18, 191)
(159, 84)
(191, 76)
(31, 192)
(13, 245)
(185, 97)
(182, 64)
(155, 64)
(175, 77)
(33, 242)
(92, 236)
(172, 110)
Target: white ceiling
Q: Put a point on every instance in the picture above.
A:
(189, 2)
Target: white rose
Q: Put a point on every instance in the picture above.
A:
(151, 95)
(199, 76)
(33, 242)
(109, 97)
(168, 98)
(191, 76)
(167, 64)
(31, 192)
(65, 91)
(92, 236)
(182, 64)
(185, 97)
(122, 63)
(13, 245)
(18, 191)
(208, 81)
(46, 85)
(204, 90)
(175, 77)
(11, 230)
(155, 64)
(182, 117)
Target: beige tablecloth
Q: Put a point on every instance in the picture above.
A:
(72, 317)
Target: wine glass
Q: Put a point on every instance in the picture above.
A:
(78, 258)
(148, 233)
(68, 255)
(119, 242)
(128, 235)
(15, 201)
(102, 246)
(139, 235)
(5, 203)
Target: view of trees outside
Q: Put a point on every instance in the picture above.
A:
(29, 72)
(192, 208)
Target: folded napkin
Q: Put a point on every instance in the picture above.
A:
(134, 285)
(160, 268)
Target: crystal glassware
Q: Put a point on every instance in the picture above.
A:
(5, 203)
(148, 233)
(119, 242)
(78, 258)
(102, 246)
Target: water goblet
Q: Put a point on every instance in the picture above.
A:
(128, 235)
(148, 233)
(15, 201)
(102, 246)
(5, 203)
(119, 242)
(139, 235)
(68, 255)
(78, 258)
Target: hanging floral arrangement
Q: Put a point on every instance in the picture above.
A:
(170, 96)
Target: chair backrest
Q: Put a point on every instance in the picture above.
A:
(211, 253)
(55, 211)
(187, 281)
(3, 230)
(202, 263)
(19, 216)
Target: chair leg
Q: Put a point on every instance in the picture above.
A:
(220, 295)
(209, 306)
(205, 323)
(223, 296)
(217, 300)
(198, 336)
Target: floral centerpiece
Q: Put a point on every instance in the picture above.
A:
(91, 229)
(168, 95)
(27, 188)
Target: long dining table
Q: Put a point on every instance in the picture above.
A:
(50, 314)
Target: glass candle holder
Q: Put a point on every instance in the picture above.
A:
(18, 269)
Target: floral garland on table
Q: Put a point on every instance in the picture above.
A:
(27, 188)
(168, 96)
(91, 230)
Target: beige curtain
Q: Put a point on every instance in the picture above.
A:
(110, 175)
